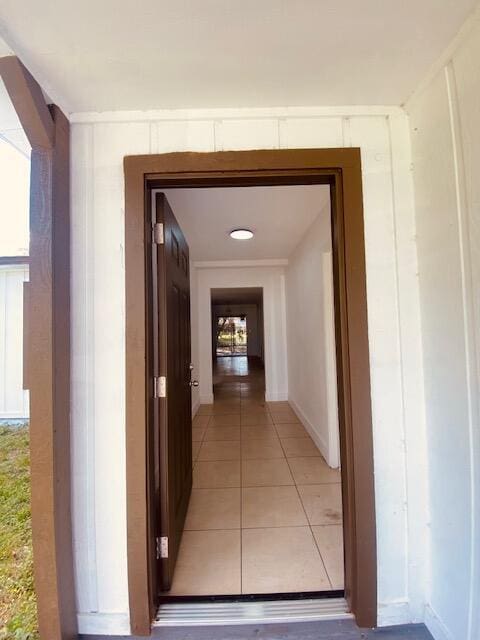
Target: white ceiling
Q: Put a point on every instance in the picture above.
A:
(153, 54)
(279, 217)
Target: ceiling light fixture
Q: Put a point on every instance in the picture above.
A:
(241, 234)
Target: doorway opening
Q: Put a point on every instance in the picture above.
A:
(266, 480)
(340, 170)
(231, 336)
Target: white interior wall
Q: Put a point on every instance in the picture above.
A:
(445, 131)
(312, 387)
(13, 399)
(99, 143)
(272, 280)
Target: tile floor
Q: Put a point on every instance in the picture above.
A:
(265, 514)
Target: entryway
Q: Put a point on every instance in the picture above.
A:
(246, 511)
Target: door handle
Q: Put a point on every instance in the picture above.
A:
(193, 383)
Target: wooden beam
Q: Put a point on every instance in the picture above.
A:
(47, 315)
(29, 103)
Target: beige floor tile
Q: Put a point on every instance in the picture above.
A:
(286, 430)
(208, 564)
(272, 507)
(252, 405)
(281, 560)
(222, 433)
(219, 450)
(322, 502)
(299, 447)
(227, 420)
(216, 474)
(311, 471)
(251, 419)
(195, 449)
(200, 421)
(261, 449)
(330, 542)
(213, 509)
(284, 417)
(259, 432)
(225, 408)
(268, 473)
(198, 433)
(205, 410)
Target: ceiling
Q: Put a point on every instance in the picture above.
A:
(278, 216)
(154, 54)
(238, 295)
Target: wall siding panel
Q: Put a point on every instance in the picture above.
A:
(445, 126)
(98, 296)
(13, 399)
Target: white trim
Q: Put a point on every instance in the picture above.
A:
(232, 264)
(280, 396)
(196, 407)
(206, 399)
(316, 437)
(235, 113)
(469, 325)
(460, 37)
(393, 613)
(110, 624)
(436, 627)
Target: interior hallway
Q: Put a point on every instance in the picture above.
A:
(265, 513)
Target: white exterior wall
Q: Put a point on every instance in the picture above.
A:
(312, 384)
(13, 399)
(445, 131)
(99, 143)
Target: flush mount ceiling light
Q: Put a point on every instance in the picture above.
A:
(241, 234)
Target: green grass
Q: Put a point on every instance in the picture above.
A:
(18, 614)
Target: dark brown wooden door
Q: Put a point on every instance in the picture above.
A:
(174, 411)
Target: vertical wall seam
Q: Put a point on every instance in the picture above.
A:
(468, 311)
(90, 335)
(399, 342)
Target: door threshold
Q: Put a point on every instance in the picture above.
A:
(183, 614)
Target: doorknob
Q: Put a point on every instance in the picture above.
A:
(193, 383)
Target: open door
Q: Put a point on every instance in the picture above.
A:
(172, 411)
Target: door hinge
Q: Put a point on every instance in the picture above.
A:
(158, 237)
(162, 547)
(160, 387)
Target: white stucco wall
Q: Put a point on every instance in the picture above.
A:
(99, 143)
(312, 385)
(13, 399)
(445, 131)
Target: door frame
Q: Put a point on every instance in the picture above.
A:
(341, 169)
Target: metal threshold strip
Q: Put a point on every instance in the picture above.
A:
(180, 614)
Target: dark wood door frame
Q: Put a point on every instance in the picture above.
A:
(341, 169)
(47, 350)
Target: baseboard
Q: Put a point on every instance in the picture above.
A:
(277, 396)
(393, 613)
(435, 625)
(109, 624)
(196, 407)
(316, 437)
